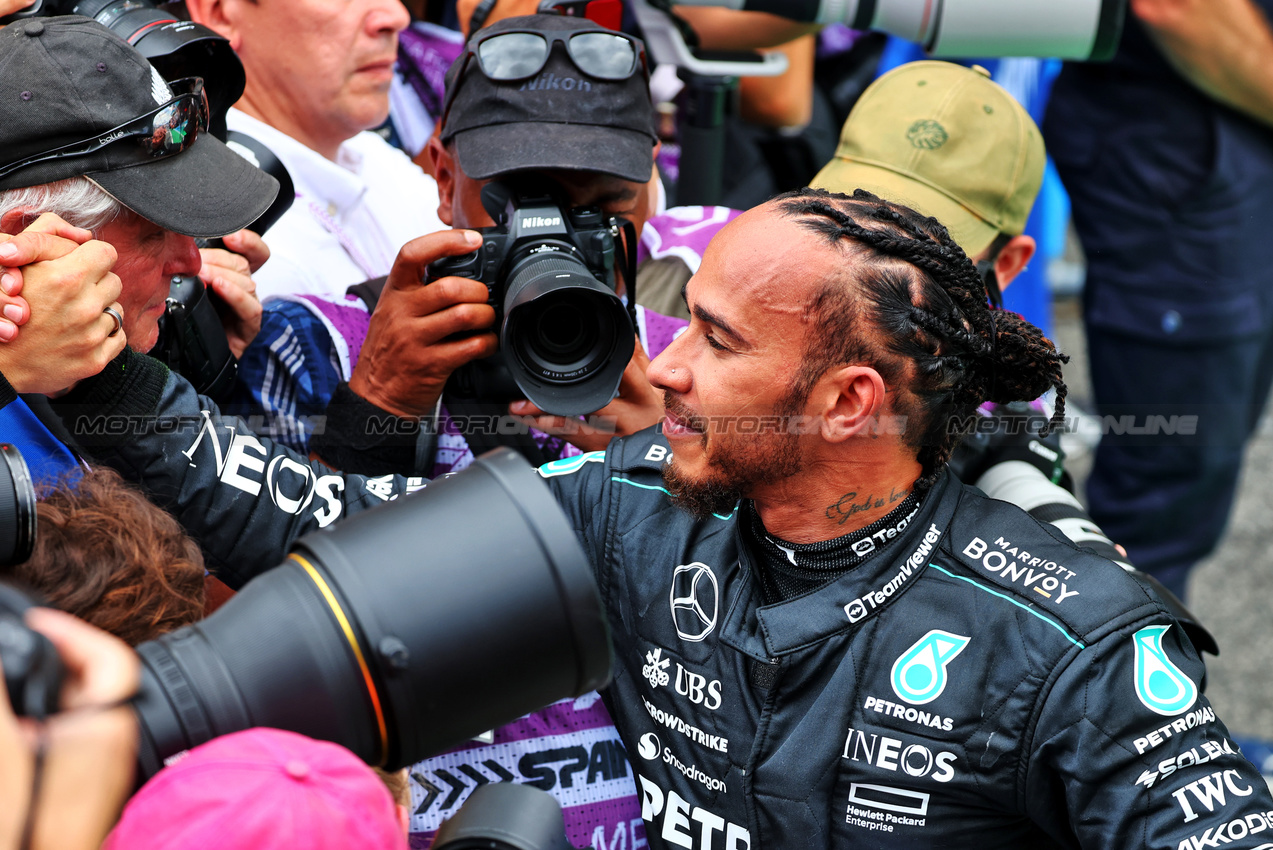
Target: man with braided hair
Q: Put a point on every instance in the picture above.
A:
(821, 637)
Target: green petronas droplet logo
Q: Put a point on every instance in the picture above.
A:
(1161, 685)
(919, 673)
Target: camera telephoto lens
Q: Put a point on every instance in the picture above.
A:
(505, 816)
(562, 332)
(568, 335)
(175, 47)
(17, 508)
(399, 632)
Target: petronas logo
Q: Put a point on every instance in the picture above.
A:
(919, 673)
(1160, 685)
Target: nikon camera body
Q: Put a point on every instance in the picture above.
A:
(565, 335)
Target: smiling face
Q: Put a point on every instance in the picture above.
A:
(149, 257)
(319, 70)
(734, 382)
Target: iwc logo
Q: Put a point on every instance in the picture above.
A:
(694, 601)
(927, 135)
(1161, 685)
(919, 673)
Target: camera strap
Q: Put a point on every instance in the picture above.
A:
(369, 291)
(629, 260)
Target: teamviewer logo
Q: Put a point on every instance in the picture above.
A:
(856, 610)
(694, 601)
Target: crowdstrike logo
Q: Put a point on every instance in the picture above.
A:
(676, 724)
(919, 673)
(694, 601)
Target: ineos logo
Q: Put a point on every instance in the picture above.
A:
(694, 601)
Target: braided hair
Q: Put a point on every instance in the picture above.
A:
(918, 314)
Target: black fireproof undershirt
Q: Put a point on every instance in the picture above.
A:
(788, 570)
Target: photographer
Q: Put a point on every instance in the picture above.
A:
(137, 168)
(88, 748)
(594, 147)
(318, 79)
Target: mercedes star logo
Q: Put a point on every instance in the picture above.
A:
(694, 601)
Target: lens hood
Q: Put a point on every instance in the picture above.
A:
(402, 631)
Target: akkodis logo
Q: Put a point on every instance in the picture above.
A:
(1161, 685)
(919, 673)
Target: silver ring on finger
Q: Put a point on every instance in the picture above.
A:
(117, 316)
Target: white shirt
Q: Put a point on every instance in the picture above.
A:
(350, 216)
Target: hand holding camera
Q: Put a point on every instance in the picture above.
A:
(228, 273)
(565, 334)
(412, 345)
(87, 749)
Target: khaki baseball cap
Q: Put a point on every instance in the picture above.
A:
(948, 142)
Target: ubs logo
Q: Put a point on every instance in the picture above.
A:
(694, 601)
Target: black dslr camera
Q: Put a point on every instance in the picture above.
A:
(32, 669)
(175, 47)
(565, 335)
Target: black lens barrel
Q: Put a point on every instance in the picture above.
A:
(402, 631)
(17, 508)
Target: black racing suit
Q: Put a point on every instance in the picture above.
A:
(978, 681)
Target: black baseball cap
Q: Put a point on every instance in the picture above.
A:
(561, 118)
(66, 79)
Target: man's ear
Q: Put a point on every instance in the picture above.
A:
(849, 400)
(219, 16)
(1013, 259)
(444, 173)
(15, 221)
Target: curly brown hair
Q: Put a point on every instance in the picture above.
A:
(110, 557)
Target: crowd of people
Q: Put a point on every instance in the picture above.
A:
(851, 600)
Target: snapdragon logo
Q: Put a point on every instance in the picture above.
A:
(919, 673)
(1161, 686)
